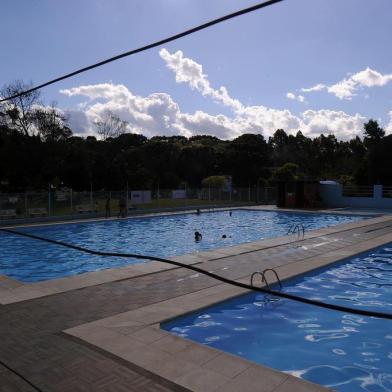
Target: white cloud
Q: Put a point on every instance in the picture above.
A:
(347, 88)
(344, 89)
(159, 114)
(79, 122)
(189, 71)
(343, 125)
(371, 78)
(317, 87)
(292, 96)
(156, 114)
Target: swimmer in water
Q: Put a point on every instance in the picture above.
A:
(230, 213)
(224, 236)
(198, 236)
(198, 211)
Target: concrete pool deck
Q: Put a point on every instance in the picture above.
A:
(100, 331)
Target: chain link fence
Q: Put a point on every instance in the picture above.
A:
(69, 203)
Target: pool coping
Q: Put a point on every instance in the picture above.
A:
(13, 291)
(135, 336)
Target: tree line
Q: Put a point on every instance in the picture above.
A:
(37, 148)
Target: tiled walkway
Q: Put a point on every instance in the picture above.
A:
(32, 342)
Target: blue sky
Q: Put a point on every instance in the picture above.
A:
(262, 60)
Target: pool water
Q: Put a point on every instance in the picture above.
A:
(30, 260)
(345, 352)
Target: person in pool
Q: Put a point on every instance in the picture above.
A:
(198, 236)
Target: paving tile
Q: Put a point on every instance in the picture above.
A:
(171, 344)
(148, 335)
(120, 345)
(227, 365)
(294, 384)
(144, 355)
(197, 354)
(171, 368)
(259, 378)
(202, 380)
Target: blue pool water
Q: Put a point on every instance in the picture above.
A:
(30, 260)
(345, 352)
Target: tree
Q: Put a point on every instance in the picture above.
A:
(214, 182)
(19, 111)
(110, 126)
(51, 124)
(246, 159)
(373, 133)
(287, 172)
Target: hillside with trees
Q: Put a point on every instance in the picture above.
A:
(38, 147)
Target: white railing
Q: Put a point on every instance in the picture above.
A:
(387, 192)
(357, 191)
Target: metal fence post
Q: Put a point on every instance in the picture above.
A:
(126, 197)
(49, 201)
(91, 195)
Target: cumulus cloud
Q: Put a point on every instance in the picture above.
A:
(292, 96)
(156, 114)
(79, 122)
(159, 114)
(347, 88)
(189, 71)
(371, 78)
(343, 125)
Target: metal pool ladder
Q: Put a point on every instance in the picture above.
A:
(264, 279)
(297, 231)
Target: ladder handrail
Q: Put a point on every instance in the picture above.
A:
(297, 228)
(264, 279)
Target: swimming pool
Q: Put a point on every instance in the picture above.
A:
(30, 260)
(345, 352)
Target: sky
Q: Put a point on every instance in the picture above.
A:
(319, 66)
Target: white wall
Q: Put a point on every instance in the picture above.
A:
(332, 196)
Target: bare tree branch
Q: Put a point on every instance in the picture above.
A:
(110, 126)
(19, 111)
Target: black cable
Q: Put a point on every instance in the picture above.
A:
(360, 312)
(149, 46)
(22, 377)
